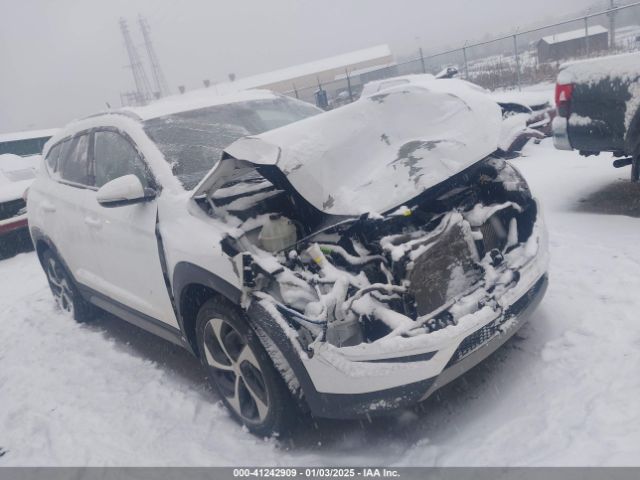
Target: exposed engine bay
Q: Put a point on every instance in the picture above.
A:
(451, 251)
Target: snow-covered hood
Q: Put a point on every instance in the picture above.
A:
(376, 154)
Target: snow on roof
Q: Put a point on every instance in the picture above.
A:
(26, 135)
(195, 99)
(382, 52)
(574, 34)
(624, 65)
(360, 71)
(627, 29)
(264, 80)
(248, 88)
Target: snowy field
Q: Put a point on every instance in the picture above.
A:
(564, 391)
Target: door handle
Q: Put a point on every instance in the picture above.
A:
(93, 222)
(48, 207)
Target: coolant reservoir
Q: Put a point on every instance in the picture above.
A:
(277, 233)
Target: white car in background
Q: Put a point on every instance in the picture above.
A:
(16, 175)
(347, 263)
(525, 115)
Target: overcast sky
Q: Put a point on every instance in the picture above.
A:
(64, 59)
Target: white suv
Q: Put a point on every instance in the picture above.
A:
(345, 263)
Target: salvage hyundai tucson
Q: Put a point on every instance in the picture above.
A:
(344, 263)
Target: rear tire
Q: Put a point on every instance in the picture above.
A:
(64, 290)
(241, 371)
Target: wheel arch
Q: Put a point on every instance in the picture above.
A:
(42, 243)
(193, 286)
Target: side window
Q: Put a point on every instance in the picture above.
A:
(73, 164)
(115, 157)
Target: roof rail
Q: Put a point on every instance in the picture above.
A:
(126, 113)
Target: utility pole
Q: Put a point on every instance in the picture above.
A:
(162, 89)
(143, 88)
(586, 34)
(424, 70)
(346, 72)
(466, 65)
(612, 25)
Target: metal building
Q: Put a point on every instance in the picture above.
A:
(572, 44)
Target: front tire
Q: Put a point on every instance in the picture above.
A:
(64, 291)
(241, 371)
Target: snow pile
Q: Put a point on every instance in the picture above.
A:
(376, 86)
(579, 121)
(72, 395)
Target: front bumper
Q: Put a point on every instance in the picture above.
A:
(351, 382)
(355, 404)
(519, 312)
(12, 224)
(467, 354)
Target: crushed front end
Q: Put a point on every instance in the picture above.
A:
(372, 313)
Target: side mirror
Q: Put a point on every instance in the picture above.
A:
(124, 190)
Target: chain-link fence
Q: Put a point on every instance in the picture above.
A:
(513, 61)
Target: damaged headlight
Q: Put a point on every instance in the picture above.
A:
(509, 177)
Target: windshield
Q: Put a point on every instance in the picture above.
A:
(192, 142)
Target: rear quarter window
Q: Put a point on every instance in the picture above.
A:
(51, 160)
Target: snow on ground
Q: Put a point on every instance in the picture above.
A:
(564, 391)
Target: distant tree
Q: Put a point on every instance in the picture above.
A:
(232, 77)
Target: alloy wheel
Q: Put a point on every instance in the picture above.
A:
(237, 371)
(60, 286)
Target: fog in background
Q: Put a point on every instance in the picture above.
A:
(64, 59)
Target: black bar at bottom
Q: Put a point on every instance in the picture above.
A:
(232, 473)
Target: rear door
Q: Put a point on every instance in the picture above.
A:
(67, 208)
(126, 243)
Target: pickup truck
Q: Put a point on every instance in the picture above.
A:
(597, 105)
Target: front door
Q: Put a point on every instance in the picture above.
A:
(126, 245)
